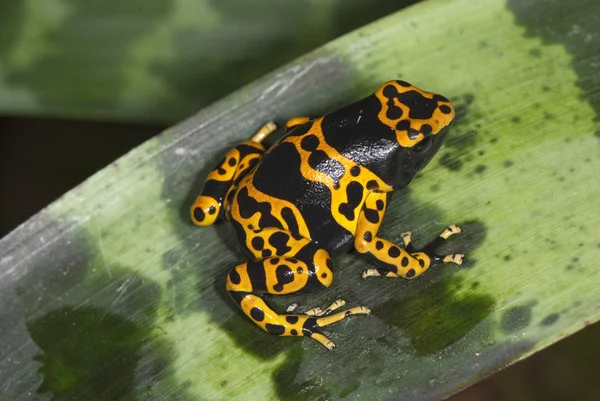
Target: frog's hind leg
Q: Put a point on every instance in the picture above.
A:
(306, 270)
(226, 174)
(264, 317)
(394, 261)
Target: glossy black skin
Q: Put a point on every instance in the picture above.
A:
(357, 134)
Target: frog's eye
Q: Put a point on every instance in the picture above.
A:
(422, 146)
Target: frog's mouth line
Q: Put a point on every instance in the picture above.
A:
(422, 153)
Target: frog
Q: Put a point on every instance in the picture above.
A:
(321, 190)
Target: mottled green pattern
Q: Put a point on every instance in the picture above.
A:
(156, 60)
(519, 174)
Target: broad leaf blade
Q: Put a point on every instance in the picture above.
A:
(156, 60)
(118, 260)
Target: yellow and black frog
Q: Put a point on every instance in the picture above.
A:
(319, 190)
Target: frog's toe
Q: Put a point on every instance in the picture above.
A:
(406, 238)
(430, 248)
(327, 320)
(326, 342)
(363, 310)
(322, 312)
(371, 273)
(313, 326)
(457, 258)
(378, 272)
(450, 231)
(264, 132)
(318, 311)
(338, 303)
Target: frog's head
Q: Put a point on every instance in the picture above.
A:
(420, 121)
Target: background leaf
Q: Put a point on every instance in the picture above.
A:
(117, 259)
(156, 60)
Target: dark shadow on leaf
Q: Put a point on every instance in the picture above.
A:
(94, 323)
(87, 353)
(439, 316)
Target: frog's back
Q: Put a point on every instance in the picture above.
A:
(313, 182)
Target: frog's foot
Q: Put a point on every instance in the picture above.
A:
(264, 132)
(293, 324)
(323, 312)
(409, 262)
(312, 326)
(429, 250)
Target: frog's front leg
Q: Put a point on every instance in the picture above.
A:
(222, 179)
(305, 269)
(394, 261)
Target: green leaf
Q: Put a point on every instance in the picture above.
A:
(156, 60)
(110, 292)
